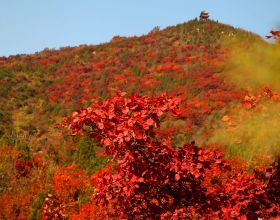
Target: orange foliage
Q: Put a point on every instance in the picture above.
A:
(68, 181)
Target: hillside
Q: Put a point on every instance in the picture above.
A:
(186, 61)
(179, 60)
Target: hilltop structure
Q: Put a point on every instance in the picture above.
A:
(204, 15)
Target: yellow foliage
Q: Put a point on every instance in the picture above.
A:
(249, 133)
(252, 66)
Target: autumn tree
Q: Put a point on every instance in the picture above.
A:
(153, 180)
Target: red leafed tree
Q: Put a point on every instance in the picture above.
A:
(152, 180)
(68, 183)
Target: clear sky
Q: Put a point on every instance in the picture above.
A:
(27, 26)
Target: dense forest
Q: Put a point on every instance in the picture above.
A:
(180, 123)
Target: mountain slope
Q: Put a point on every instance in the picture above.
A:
(187, 61)
(54, 82)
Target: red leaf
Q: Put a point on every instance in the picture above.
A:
(100, 125)
(107, 142)
(150, 122)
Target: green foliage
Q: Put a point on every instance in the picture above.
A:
(52, 153)
(180, 138)
(26, 154)
(5, 122)
(167, 82)
(137, 72)
(85, 151)
(192, 93)
(85, 155)
(6, 170)
(35, 212)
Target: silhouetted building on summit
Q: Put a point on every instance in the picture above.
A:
(204, 15)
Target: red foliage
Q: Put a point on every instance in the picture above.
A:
(274, 34)
(48, 61)
(155, 180)
(68, 181)
(20, 186)
(98, 66)
(53, 208)
(16, 205)
(169, 67)
(91, 210)
(23, 167)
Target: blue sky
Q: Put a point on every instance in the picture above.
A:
(27, 26)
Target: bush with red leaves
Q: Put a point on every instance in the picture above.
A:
(153, 180)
